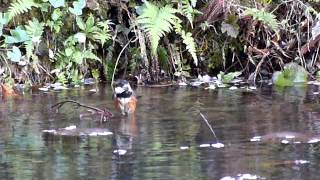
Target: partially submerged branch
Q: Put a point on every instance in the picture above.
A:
(105, 114)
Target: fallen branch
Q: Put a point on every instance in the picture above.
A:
(105, 114)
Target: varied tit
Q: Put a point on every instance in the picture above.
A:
(124, 97)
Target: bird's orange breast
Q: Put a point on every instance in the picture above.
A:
(126, 106)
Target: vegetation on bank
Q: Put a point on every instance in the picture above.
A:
(66, 41)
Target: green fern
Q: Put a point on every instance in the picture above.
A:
(20, 7)
(263, 16)
(156, 22)
(34, 30)
(188, 11)
(187, 40)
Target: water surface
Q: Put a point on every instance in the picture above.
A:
(166, 119)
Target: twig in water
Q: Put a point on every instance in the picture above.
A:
(105, 114)
(210, 127)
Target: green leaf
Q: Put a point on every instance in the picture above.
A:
(57, 3)
(68, 51)
(227, 78)
(15, 54)
(1, 28)
(4, 18)
(90, 24)
(293, 74)
(80, 23)
(90, 55)
(56, 14)
(17, 35)
(77, 7)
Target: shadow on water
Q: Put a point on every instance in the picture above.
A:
(147, 145)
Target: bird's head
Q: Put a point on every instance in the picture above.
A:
(122, 89)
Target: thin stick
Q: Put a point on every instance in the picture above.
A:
(115, 66)
(210, 127)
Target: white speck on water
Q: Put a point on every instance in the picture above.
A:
(50, 131)
(317, 83)
(301, 162)
(105, 133)
(120, 151)
(297, 142)
(289, 136)
(93, 90)
(315, 140)
(196, 83)
(70, 127)
(228, 178)
(60, 88)
(43, 89)
(204, 145)
(255, 139)
(248, 176)
(182, 84)
(184, 147)
(284, 141)
(252, 87)
(217, 145)
(211, 86)
(233, 88)
(316, 93)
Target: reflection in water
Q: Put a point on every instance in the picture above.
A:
(150, 140)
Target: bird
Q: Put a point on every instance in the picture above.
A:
(124, 97)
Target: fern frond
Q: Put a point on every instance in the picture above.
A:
(29, 48)
(34, 29)
(20, 7)
(187, 40)
(190, 45)
(265, 17)
(187, 11)
(156, 22)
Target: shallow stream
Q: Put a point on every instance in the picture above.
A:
(163, 139)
